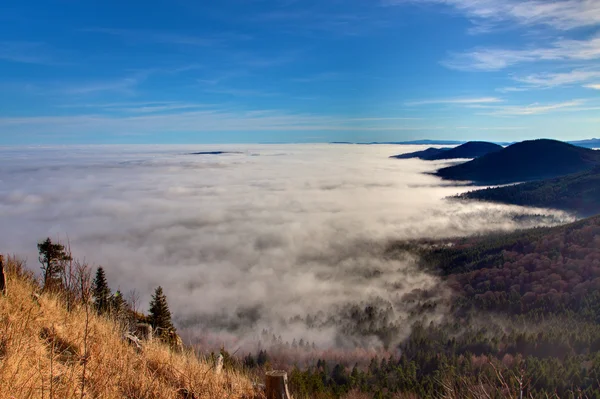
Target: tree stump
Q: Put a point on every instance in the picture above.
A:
(143, 331)
(3, 290)
(276, 385)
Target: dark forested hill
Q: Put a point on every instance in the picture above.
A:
(525, 161)
(425, 154)
(578, 193)
(472, 149)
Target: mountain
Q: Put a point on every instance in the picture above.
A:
(425, 154)
(578, 193)
(524, 161)
(590, 143)
(472, 149)
(413, 142)
(428, 142)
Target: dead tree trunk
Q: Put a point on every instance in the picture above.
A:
(276, 385)
(3, 290)
(219, 364)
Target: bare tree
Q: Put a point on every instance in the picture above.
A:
(83, 281)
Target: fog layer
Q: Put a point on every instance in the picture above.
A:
(284, 237)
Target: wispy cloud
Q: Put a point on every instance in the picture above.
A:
(319, 77)
(511, 89)
(493, 59)
(381, 119)
(253, 60)
(172, 38)
(595, 86)
(206, 120)
(490, 127)
(124, 85)
(242, 92)
(487, 14)
(141, 107)
(26, 53)
(317, 20)
(545, 80)
(218, 78)
(535, 108)
(459, 101)
(185, 68)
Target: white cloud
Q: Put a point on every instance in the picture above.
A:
(593, 86)
(558, 79)
(492, 59)
(246, 241)
(512, 89)
(558, 14)
(476, 100)
(535, 108)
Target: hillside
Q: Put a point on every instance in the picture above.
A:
(578, 193)
(523, 320)
(472, 149)
(525, 161)
(547, 270)
(49, 352)
(425, 154)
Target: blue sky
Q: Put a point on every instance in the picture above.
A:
(188, 71)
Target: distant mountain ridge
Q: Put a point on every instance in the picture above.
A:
(590, 143)
(414, 142)
(471, 149)
(525, 161)
(587, 143)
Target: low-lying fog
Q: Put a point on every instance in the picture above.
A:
(245, 241)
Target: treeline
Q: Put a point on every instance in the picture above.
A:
(578, 193)
(63, 275)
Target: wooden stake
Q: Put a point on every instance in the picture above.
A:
(276, 385)
(219, 364)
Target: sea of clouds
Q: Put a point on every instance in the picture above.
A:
(289, 238)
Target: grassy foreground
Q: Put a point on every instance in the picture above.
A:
(47, 351)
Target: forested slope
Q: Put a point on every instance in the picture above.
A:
(578, 193)
(524, 320)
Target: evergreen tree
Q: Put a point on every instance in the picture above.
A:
(52, 258)
(101, 292)
(262, 358)
(160, 315)
(118, 306)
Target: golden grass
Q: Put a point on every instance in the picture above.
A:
(43, 354)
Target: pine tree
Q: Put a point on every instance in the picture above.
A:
(118, 306)
(160, 315)
(101, 292)
(52, 258)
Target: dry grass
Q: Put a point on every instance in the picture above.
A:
(45, 352)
